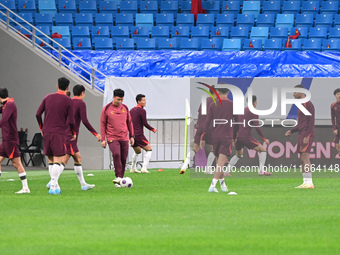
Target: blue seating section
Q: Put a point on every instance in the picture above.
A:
(292, 25)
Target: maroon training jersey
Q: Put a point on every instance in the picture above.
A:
(245, 130)
(8, 122)
(335, 115)
(138, 116)
(306, 123)
(58, 108)
(201, 118)
(219, 112)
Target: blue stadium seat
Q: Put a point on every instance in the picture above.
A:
(251, 8)
(65, 42)
(225, 20)
(88, 6)
(167, 44)
(119, 31)
(334, 32)
(169, 7)
(265, 20)
(43, 19)
(124, 19)
(64, 19)
(184, 19)
(329, 7)
(291, 7)
(284, 20)
(311, 7)
(304, 20)
(108, 6)
(80, 31)
(279, 32)
(303, 31)
(84, 19)
(146, 44)
(272, 44)
(186, 7)
(128, 7)
(68, 6)
(259, 33)
(211, 7)
(144, 19)
(271, 7)
(205, 20)
(47, 7)
(189, 44)
(324, 20)
(311, 45)
(317, 32)
(331, 45)
(26, 16)
(82, 43)
(124, 44)
(43, 30)
(180, 32)
(103, 43)
(239, 33)
(231, 7)
(252, 44)
(63, 30)
(165, 19)
(245, 20)
(10, 4)
(137, 32)
(104, 19)
(27, 6)
(232, 45)
(149, 7)
(296, 45)
(211, 44)
(160, 31)
(100, 31)
(200, 33)
(219, 33)
(336, 20)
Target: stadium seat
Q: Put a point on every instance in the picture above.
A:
(137, 32)
(167, 44)
(251, 8)
(271, 7)
(219, 33)
(44, 19)
(252, 44)
(144, 19)
(245, 20)
(211, 7)
(88, 6)
(331, 45)
(100, 31)
(25, 30)
(303, 31)
(47, 7)
(180, 32)
(336, 20)
(27, 6)
(169, 7)
(128, 7)
(200, 33)
(124, 44)
(186, 7)
(189, 44)
(310, 7)
(64, 31)
(324, 20)
(265, 20)
(68, 6)
(82, 43)
(165, 19)
(211, 44)
(84, 19)
(159, 31)
(149, 7)
(225, 20)
(304, 20)
(259, 33)
(232, 45)
(103, 43)
(28, 17)
(146, 44)
(104, 19)
(329, 7)
(291, 7)
(124, 19)
(10, 4)
(108, 6)
(80, 31)
(231, 7)
(65, 42)
(278, 32)
(43, 30)
(64, 19)
(311, 45)
(184, 19)
(317, 32)
(205, 20)
(284, 20)
(295, 45)
(272, 44)
(119, 31)
(334, 32)
(239, 33)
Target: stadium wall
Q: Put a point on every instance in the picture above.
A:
(29, 78)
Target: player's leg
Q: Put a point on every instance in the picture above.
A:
(116, 155)
(262, 159)
(124, 152)
(137, 151)
(337, 145)
(190, 158)
(64, 162)
(79, 172)
(55, 173)
(1, 159)
(233, 161)
(147, 157)
(22, 174)
(210, 159)
(304, 150)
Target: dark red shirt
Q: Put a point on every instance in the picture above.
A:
(306, 123)
(335, 115)
(8, 122)
(201, 118)
(58, 109)
(138, 116)
(245, 130)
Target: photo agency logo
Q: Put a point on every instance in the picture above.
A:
(239, 99)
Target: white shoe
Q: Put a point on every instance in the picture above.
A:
(48, 185)
(224, 189)
(145, 171)
(135, 171)
(23, 191)
(117, 185)
(117, 180)
(87, 186)
(214, 190)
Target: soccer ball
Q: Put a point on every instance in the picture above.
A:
(126, 182)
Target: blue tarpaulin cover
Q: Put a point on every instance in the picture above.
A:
(210, 63)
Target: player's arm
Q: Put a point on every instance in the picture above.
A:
(145, 122)
(130, 127)
(7, 114)
(71, 118)
(83, 116)
(39, 113)
(259, 129)
(103, 123)
(1, 109)
(207, 125)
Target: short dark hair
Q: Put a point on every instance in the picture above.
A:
(78, 89)
(63, 83)
(118, 93)
(211, 91)
(299, 86)
(222, 90)
(3, 93)
(336, 91)
(254, 99)
(139, 97)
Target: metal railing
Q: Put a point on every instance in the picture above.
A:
(36, 42)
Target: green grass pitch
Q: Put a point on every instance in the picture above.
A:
(168, 213)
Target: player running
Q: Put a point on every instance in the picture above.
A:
(138, 116)
(244, 138)
(221, 135)
(58, 109)
(9, 147)
(306, 131)
(71, 145)
(335, 116)
(116, 126)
